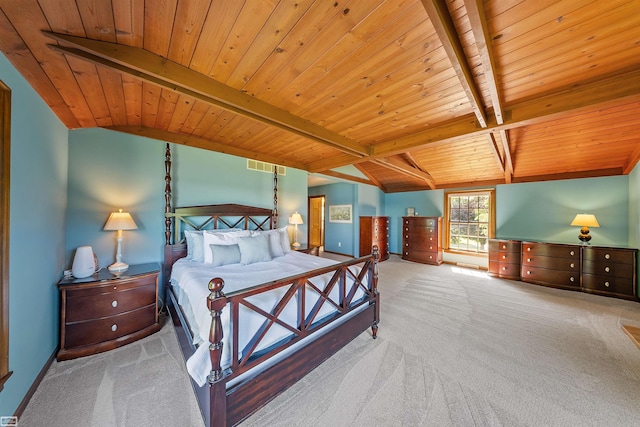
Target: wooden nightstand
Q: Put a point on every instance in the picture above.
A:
(312, 250)
(104, 311)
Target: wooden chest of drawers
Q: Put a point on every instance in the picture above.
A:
(609, 271)
(504, 258)
(422, 239)
(104, 311)
(551, 264)
(374, 230)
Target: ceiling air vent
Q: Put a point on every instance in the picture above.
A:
(257, 165)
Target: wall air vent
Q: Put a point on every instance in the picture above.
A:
(257, 165)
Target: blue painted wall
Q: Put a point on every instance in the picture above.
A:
(634, 207)
(543, 210)
(339, 237)
(425, 203)
(111, 170)
(38, 192)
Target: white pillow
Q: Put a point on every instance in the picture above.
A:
(194, 245)
(284, 239)
(220, 238)
(275, 241)
(224, 254)
(254, 249)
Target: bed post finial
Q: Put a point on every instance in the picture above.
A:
(274, 218)
(216, 302)
(167, 196)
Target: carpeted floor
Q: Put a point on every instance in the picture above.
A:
(455, 348)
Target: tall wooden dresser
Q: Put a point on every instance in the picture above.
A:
(422, 239)
(374, 230)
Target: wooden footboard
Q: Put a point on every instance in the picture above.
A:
(224, 404)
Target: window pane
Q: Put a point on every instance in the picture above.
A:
(469, 222)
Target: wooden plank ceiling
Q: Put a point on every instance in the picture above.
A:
(417, 94)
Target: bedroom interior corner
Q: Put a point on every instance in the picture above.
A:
(455, 347)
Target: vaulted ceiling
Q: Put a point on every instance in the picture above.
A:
(416, 94)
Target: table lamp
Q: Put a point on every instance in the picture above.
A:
(585, 221)
(119, 221)
(295, 219)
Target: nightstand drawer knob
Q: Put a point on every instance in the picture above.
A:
(114, 304)
(607, 256)
(114, 327)
(607, 269)
(606, 284)
(572, 253)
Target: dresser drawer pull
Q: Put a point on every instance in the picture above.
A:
(528, 259)
(504, 257)
(572, 265)
(528, 272)
(504, 246)
(430, 238)
(607, 256)
(572, 253)
(607, 269)
(528, 249)
(504, 268)
(114, 303)
(114, 327)
(606, 284)
(572, 279)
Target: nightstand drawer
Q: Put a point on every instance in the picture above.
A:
(110, 303)
(109, 328)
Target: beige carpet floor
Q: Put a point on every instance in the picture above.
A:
(455, 348)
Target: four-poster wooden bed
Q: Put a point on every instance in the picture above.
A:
(331, 305)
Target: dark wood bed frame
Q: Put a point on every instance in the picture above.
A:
(221, 404)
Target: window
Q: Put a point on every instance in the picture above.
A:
(469, 221)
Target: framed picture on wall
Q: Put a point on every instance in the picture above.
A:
(340, 213)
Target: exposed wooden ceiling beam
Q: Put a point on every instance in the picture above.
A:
(194, 141)
(508, 161)
(478, 20)
(168, 74)
(446, 31)
(347, 177)
(633, 161)
(403, 168)
(373, 179)
(561, 104)
(494, 149)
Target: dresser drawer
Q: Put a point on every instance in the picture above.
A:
(88, 307)
(607, 284)
(507, 271)
(109, 328)
(419, 222)
(547, 250)
(609, 269)
(112, 286)
(505, 257)
(567, 264)
(550, 277)
(610, 255)
(422, 256)
(511, 246)
(421, 245)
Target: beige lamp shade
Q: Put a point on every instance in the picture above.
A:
(585, 220)
(120, 221)
(296, 219)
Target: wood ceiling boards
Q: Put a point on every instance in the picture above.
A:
(416, 94)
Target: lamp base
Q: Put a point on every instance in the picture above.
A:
(584, 236)
(295, 244)
(118, 267)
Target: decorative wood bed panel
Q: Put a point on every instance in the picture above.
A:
(254, 376)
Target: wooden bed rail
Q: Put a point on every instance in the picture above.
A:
(346, 276)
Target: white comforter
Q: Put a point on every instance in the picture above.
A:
(190, 280)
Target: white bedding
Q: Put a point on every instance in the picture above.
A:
(190, 280)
